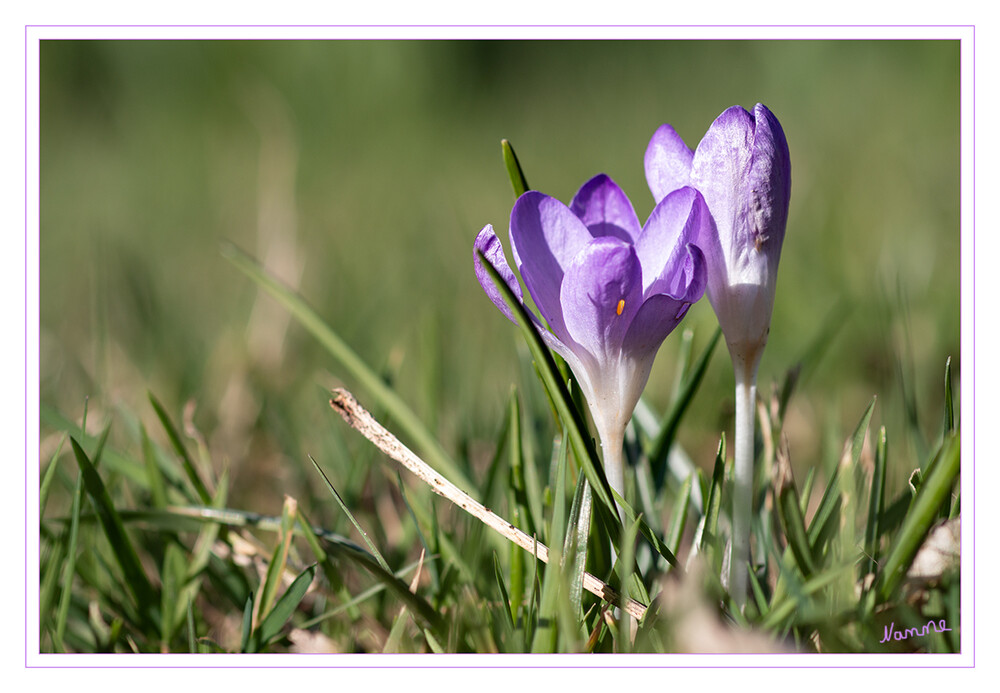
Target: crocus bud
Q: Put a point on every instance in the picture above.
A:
(743, 170)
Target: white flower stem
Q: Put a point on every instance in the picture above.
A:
(614, 466)
(746, 395)
(612, 446)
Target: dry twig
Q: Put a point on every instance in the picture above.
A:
(359, 419)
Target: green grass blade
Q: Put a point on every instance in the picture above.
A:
(876, 503)
(427, 444)
(48, 476)
(760, 600)
(246, 641)
(514, 172)
(659, 448)
(830, 502)
(709, 537)
(114, 461)
(545, 639)
(51, 565)
(949, 402)
(69, 570)
(279, 559)
(858, 439)
(786, 606)
(790, 512)
(283, 609)
(569, 415)
(934, 492)
(646, 532)
(575, 546)
(632, 587)
(357, 525)
(201, 554)
(557, 525)
(181, 450)
(527, 495)
(508, 608)
(433, 642)
(432, 570)
(172, 573)
(146, 598)
(156, 486)
(678, 519)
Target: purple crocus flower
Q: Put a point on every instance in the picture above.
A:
(609, 289)
(742, 167)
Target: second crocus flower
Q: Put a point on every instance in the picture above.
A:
(743, 169)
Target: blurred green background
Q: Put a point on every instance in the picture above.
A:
(360, 173)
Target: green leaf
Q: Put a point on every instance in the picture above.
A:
(112, 460)
(426, 443)
(69, 570)
(178, 443)
(527, 495)
(279, 559)
(631, 584)
(647, 533)
(949, 404)
(433, 643)
(934, 492)
(283, 609)
(508, 608)
(146, 598)
(659, 448)
(545, 639)
(201, 555)
(678, 520)
(48, 476)
(790, 511)
(514, 172)
(571, 418)
(357, 525)
(432, 570)
(858, 439)
(246, 642)
(575, 546)
(876, 503)
(709, 537)
(830, 502)
(172, 574)
(157, 487)
(786, 606)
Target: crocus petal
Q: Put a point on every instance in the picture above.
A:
(601, 292)
(742, 167)
(681, 218)
(668, 162)
(661, 313)
(606, 210)
(719, 169)
(488, 243)
(546, 236)
(769, 183)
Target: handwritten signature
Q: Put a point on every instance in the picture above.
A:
(939, 627)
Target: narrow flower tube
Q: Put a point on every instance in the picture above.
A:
(743, 169)
(609, 289)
